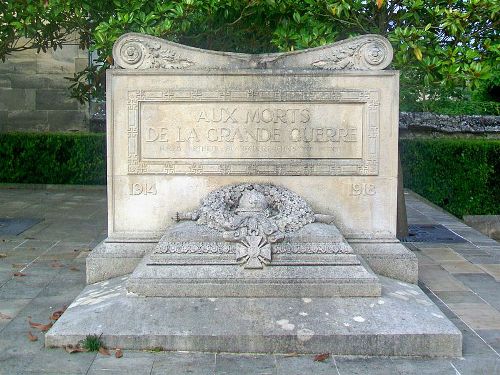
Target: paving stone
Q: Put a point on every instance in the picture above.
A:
(133, 363)
(421, 366)
(383, 366)
(437, 279)
(440, 254)
(16, 288)
(489, 259)
(484, 285)
(55, 360)
(477, 315)
(14, 364)
(492, 269)
(459, 297)
(492, 337)
(183, 363)
(424, 260)
(10, 308)
(461, 267)
(300, 365)
(478, 364)
(245, 364)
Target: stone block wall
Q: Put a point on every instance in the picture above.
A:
(34, 94)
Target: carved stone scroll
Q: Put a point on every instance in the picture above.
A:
(139, 51)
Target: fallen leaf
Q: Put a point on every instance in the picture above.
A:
(73, 268)
(57, 314)
(40, 326)
(321, 357)
(74, 349)
(103, 351)
(4, 316)
(3, 255)
(32, 337)
(118, 353)
(20, 274)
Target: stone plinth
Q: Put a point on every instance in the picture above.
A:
(192, 260)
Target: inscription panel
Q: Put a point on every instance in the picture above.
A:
(247, 130)
(333, 132)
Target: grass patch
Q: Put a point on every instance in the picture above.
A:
(92, 343)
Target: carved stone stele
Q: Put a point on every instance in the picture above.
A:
(139, 51)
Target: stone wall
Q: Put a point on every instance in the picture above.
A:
(415, 123)
(34, 95)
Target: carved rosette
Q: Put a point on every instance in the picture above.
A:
(368, 53)
(139, 51)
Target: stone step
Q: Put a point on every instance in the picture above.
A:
(215, 280)
(401, 322)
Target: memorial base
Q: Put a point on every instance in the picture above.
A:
(401, 322)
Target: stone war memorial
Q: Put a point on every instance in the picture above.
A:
(252, 207)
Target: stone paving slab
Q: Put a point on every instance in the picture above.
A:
(17, 353)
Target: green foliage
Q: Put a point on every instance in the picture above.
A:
(460, 175)
(92, 343)
(445, 49)
(47, 158)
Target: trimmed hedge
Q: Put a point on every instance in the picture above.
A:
(460, 175)
(53, 158)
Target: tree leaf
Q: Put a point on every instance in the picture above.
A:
(19, 274)
(103, 351)
(57, 314)
(40, 326)
(74, 349)
(321, 357)
(380, 3)
(418, 53)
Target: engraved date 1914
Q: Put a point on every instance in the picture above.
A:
(144, 188)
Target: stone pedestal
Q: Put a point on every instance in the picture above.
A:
(192, 260)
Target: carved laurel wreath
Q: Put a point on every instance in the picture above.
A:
(287, 210)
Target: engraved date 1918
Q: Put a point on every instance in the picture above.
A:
(363, 189)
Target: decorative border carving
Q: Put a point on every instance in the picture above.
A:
(285, 248)
(368, 165)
